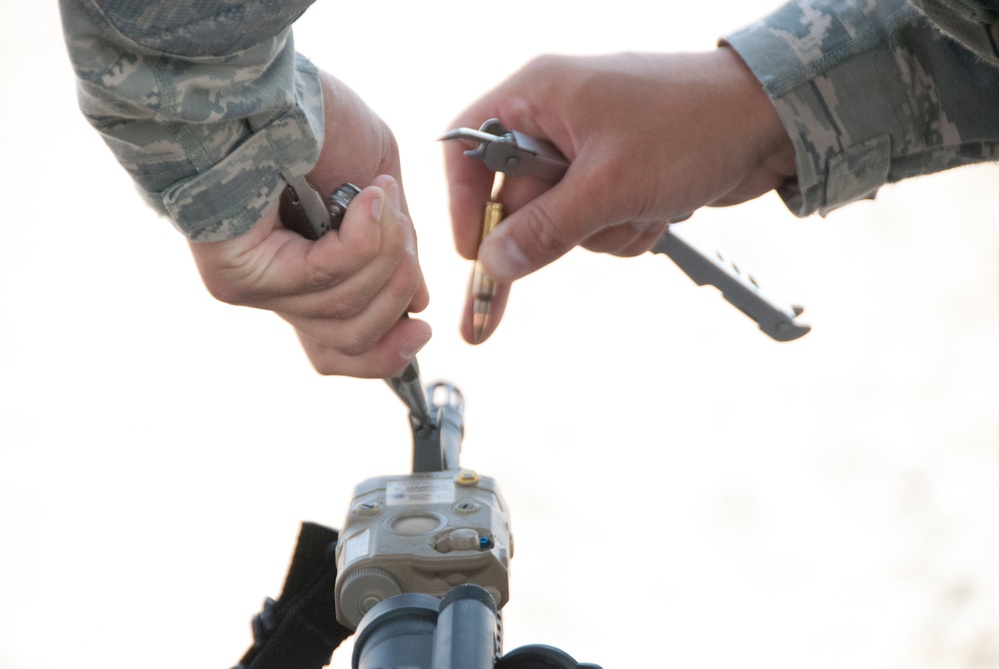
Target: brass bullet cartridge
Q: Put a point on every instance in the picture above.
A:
(483, 287)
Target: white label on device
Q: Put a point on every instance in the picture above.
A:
(419, 491)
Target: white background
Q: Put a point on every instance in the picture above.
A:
(685, 492)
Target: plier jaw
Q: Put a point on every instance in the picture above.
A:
(512, 153)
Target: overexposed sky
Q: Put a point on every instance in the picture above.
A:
(684, 491)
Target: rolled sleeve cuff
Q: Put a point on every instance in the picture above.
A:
(830, 72)
(227, 199)
(208, 139)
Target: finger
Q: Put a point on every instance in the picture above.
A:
(421, 298)
(356, 333)
(342, 253)
(393, 269)
(496, 311)
(400, 223)
(357, 313)
(544, 229)
(470, 185)
(625, 239)
(388, 357)
(271, 262)
(518, 192)
(645, 241)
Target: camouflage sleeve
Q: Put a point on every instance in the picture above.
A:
(973, 23)
(871, 92)
(205, 103)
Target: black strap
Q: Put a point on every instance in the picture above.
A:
(300, 630)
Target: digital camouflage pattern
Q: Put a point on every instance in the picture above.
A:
(872, 91)
(206, 104)
(208, 107)
(974, 23)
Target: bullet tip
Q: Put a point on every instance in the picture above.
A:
(478, 326)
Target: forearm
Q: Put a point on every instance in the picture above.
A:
(209, 127)
(869, 97)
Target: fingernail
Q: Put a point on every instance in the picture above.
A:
(503, 259)
(377, 203)
(410, 347)
(395, 197)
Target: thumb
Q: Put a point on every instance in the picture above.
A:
(543, 230)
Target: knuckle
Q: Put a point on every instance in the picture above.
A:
(320, 278)
(603, 173)
(406, 282)
(313, 281)
(398, 244)
(348, 304)
(393, 245)
(546, 234)
(390, 149)
(365, 247)
(326, 368)
(356, 344)
(225, 291)
(324, 276)
(646, 240)
(547, 62)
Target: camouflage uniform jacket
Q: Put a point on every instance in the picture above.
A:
(874, 91)
(205, 103)
(208, 107)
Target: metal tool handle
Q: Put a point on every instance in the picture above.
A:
(303, 210)
(741, 290)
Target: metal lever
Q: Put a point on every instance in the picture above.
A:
(739, 289)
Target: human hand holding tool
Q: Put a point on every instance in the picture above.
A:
(303, 210)
(516, 154)
(513, 154)
(650, 138)
(344, 293)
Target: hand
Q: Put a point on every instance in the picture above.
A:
(346, 292)
(650, 138)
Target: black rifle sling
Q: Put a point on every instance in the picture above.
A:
(300, 630)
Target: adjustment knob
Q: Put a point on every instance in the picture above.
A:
(364, 588)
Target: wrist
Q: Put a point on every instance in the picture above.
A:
(771, 146)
